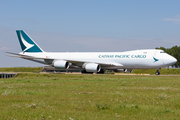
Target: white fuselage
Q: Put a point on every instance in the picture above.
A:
(137, 59)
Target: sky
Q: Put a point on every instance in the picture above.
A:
(88, 26)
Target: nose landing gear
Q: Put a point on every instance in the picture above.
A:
(157, 72)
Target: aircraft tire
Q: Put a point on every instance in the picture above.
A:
(84, 71)
(101, 71)
(157, 73)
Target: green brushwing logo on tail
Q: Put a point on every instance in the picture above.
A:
(27, 44)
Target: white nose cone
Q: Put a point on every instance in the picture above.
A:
(170, 60)
(174, 60)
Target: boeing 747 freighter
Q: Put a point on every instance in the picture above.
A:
(95, 62)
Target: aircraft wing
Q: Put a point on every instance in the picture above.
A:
(25, 56)
(37, 59)
(105, 64)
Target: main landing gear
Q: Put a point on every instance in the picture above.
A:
(101, 71)
(157, 72)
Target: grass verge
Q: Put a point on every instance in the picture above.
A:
(163, 71)
(21, 69)
(59, 96)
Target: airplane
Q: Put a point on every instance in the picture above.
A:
(93, 62)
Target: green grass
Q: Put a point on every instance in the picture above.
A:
(163, 71)
(21, 69)
(59, 96)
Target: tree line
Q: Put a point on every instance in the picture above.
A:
(175, 52)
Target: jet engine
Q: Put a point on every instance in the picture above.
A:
(92, 67)
(60, 64)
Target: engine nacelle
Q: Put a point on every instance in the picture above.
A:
(60, 64)
(92, 67)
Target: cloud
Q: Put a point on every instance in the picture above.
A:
(175, 20)
(4, 48)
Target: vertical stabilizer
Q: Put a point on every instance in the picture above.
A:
(27, 43)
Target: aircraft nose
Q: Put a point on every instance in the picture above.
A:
(170, 60)
(174, 60)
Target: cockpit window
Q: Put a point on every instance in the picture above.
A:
(162, 52)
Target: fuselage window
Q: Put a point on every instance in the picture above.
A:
(162, 52)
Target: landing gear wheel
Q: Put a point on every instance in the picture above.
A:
(101, 71)
(84, 71)
(157, 72)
